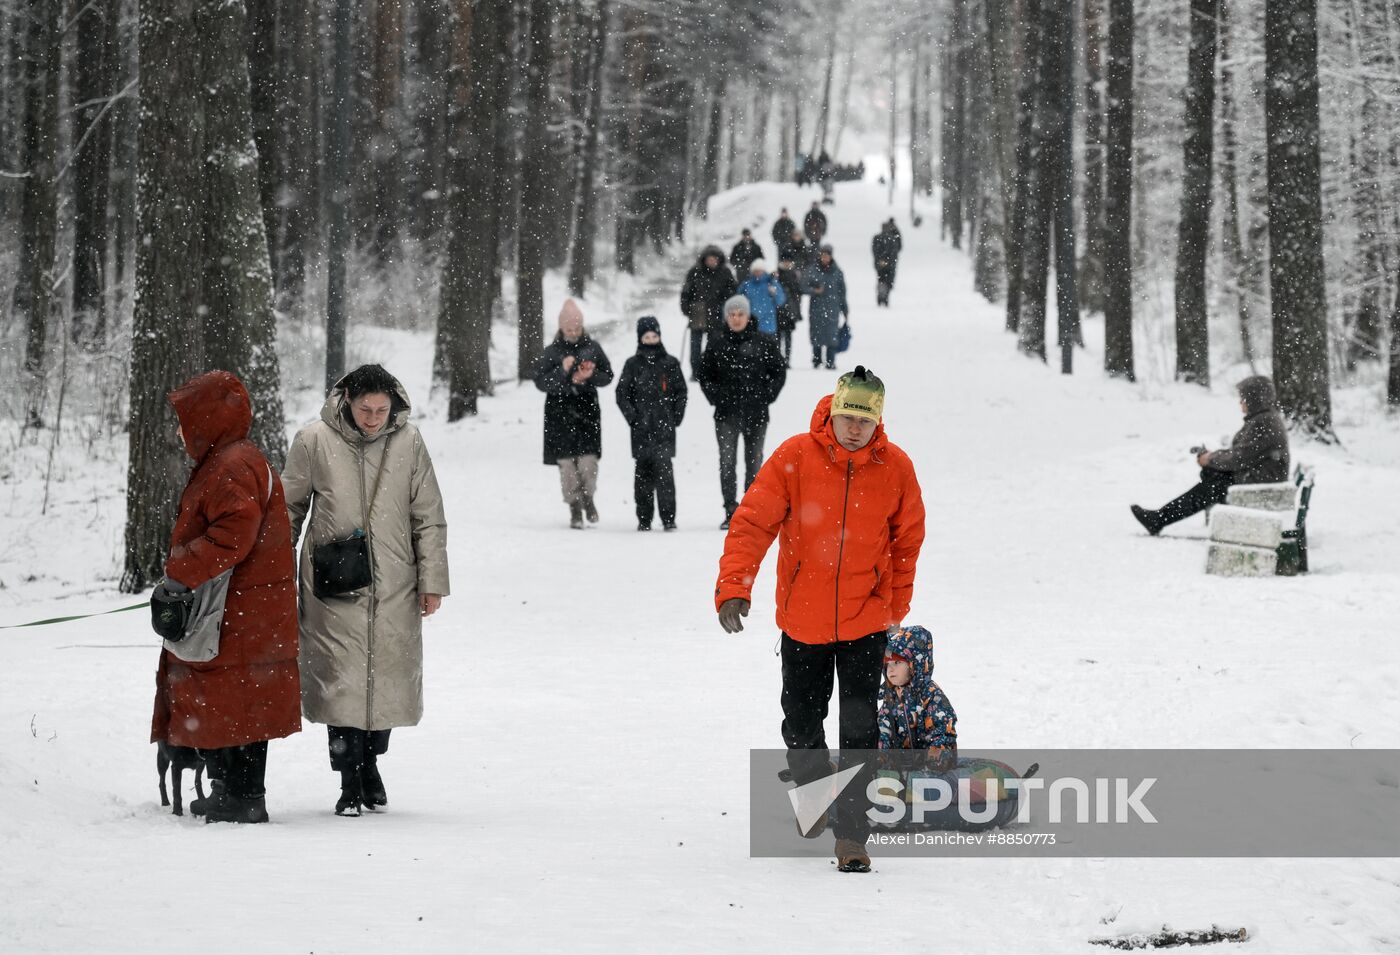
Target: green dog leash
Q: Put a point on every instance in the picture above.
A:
(79, 616)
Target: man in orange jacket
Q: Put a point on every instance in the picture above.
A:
(846, 508)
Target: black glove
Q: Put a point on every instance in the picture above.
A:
(172, 604)
(729, 613)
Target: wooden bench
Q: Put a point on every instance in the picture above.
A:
(1261, 530)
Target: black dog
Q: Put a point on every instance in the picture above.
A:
(182, 758)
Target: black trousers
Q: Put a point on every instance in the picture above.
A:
(352, 747)
(243, 769)
(785, 343)
(655, 477)
(697, 349)
(884, 278)
(1213, 488)
(727, 433)
(808, 672)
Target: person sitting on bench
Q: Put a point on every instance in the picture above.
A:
(1258, 454)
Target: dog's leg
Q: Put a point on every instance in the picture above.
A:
(162, 764)
(177, 777)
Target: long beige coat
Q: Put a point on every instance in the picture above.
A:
(362, 654)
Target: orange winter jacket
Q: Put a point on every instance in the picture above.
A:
(849, 528)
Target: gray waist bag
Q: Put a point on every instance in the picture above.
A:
(200, 643)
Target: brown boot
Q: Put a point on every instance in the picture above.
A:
(851, 856)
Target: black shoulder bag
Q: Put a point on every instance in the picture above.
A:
(340, 567)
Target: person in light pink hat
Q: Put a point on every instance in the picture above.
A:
(570, 371)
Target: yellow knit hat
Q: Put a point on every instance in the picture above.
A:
(859, 394)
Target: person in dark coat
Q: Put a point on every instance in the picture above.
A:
(885, 248)
(708, 285)
(814, 224)
(782, 230)
(741, 374)
(652, 395)
(826, 283)
(790, 312)
(232, 527)
(1258, 454)
(745, 252)
(826, 175)
(570, 372)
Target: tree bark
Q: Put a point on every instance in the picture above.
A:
(167, 340)
(1059, 160)
(1035, 258)
(95, 69)
(1021, 218)
(1193, 233)
(1091, 265)
(1392, 391)
(710, 172)
(338, 192)
(39, 217)
(1237, 266)
(1296, 274)
(586, 199)
(1118, 194)
(385, 95)
(534, 195)
(240, 331)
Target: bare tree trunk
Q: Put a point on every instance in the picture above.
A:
(819, 133)
(1296, 271)
(95, 70)
(167, 341)
(1091, 265)
(534, 211)
(338, 193)
(39, 218)
(1059, 161)
(709, 184)
(1236, 266)
(1021, 218)
(586, 201)
(1193, 234)
(240, 332)
(296, 237)
(1392, 391)
(1118, 194)
(384, 147)
(845, 95)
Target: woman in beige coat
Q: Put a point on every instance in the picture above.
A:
(364, 474)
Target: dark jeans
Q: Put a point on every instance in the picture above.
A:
(697, 349)
(1213, 489)
(655, 477)
(808, 671)
(352, 747)
(243, 769)
(785, 343)
(884, 278)
(727, 433)
(820, 354)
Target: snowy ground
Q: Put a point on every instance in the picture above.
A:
(597, 655)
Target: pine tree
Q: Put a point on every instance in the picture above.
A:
(1193, 235)
(1296, 274)
(1118, 194)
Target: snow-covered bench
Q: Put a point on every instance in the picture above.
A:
(1261, 530)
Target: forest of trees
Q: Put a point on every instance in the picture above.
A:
(1220, 179)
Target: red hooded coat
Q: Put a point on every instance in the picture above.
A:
(251, 691)
(849, 528)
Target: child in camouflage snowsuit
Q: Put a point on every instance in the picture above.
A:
(914, 714)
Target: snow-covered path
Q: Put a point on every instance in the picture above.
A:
(580, 779)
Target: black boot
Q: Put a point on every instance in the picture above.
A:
(1148, 519)
(200, 805)
(351, 793)
(589, 511)
(227, 807)
(372, 786)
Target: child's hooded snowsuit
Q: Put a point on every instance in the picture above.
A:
(916, 716)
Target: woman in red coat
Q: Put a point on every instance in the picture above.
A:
(233, 517)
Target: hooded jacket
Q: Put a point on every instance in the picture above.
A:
(828, 305)
(232, 514)
(849, 524)
(744, 254)
(709, 288)
(1258, 453)
(652, 395)
(763, 303)
(573, 420)
(742, 373)
(362, 653)
(814, 226)
(916, 716)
